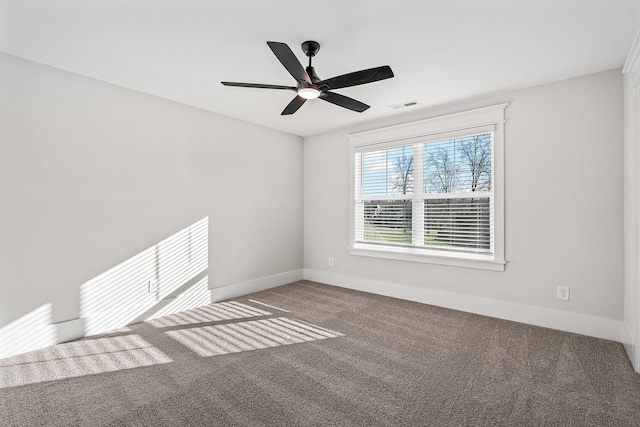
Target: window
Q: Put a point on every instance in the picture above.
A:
(431, 191)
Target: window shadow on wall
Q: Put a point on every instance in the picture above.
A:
(32, 331)
(167, 277)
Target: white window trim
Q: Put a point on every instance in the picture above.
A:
(431, 129)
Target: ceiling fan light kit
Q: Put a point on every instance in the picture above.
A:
(310, 86)
(309, 93)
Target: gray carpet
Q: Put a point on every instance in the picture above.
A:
(310, 354)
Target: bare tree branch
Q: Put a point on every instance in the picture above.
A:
(440, 171)
(403, 177)
(476, 155)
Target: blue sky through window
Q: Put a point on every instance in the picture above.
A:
(380, 169)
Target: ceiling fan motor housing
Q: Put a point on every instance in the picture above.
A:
(312, 74)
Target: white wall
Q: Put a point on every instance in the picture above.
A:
(631, 331)
(563, 212)
(92, 174)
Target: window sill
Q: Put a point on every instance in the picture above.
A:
(482, 262)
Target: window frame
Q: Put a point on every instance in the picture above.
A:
(482, 120)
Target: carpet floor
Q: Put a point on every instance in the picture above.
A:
(308, 354)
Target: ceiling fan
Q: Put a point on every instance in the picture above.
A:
(310, 86)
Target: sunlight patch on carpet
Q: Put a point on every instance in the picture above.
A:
(216, 312)
(79, 358)
(252, 335)
(268, 305)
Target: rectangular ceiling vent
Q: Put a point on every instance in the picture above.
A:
(404, 105)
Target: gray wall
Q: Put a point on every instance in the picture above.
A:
(92, 174)
(563, 206)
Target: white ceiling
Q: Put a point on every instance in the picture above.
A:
(440, 50)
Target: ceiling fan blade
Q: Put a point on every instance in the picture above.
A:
(258, 85)
(344, 101)
(290, 62)
(358, 77)
(293, 106)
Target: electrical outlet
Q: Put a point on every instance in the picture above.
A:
(563, 293)
(153, 286)
(330, 262)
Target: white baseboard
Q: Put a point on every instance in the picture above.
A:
(532, 315)
(243, 288)
(69, 330)
(630, 346)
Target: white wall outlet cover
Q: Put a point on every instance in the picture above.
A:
(563, 293)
